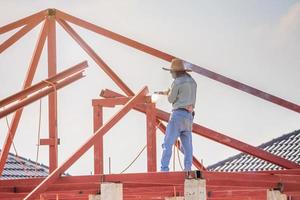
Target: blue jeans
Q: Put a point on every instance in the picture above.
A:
(180, 125)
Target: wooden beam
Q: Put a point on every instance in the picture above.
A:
(167, 57)
(151, 137)
(19, 34)
(221, 138)
(86, 146)
(22, 22)
(30, 90)
(20, 104)
(52, 98)
(96, 58)
(98, 146)
(28, 80)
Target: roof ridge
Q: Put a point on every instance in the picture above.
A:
(29, 164)
(261, 146)
(28, 160)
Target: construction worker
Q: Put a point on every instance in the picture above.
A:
(182, 96)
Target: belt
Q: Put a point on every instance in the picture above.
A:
(183, 109)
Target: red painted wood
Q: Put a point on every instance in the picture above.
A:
(151, 137)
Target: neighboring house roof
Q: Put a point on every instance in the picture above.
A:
(17, 167)
(286, 146)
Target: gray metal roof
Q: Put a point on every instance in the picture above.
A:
(286, 146)
(17, 167)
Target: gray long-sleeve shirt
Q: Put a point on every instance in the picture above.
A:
(183, 92)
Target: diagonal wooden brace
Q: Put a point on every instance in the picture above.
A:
(167, 57)
(219, 137)
(86, 146)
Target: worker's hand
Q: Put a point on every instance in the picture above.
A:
(163, 92)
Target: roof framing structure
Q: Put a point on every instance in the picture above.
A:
(150, 185)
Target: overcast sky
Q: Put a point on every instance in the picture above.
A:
(255, 42)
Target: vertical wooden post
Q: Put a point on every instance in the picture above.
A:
(151, 137)
(98, 146)
(52, 99)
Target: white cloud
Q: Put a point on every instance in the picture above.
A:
(281, 37)
(288, 29)
(291, 21)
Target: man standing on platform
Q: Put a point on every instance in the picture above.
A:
(182, 96)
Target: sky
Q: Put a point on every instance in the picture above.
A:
(254, 42)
